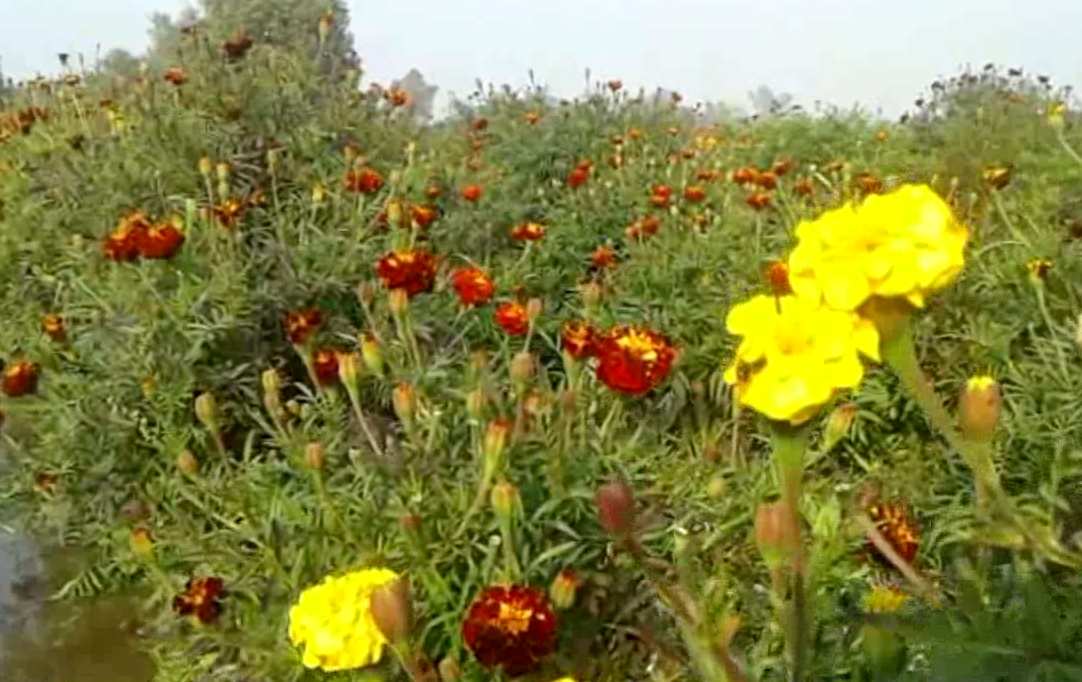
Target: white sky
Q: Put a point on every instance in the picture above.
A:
(877, 52)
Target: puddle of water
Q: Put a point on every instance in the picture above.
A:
(42, 641)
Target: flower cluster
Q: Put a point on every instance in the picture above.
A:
(138, 236)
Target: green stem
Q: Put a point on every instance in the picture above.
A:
(790, 445)
(1021, 238)
(1067, 147)
(355, 400)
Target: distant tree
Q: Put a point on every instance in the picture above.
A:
(422, 95)
(119, 62)
(765, 102)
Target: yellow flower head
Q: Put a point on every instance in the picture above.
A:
(795, 354)
(333, 621)
(904, 244)
(884, 599)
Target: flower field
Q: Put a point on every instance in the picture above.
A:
(588, 390)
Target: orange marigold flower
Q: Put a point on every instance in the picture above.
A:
(745, 175)
(480, 123)
(578, 339)
(706, 175)
(758, 200)
(649, 225)
(472, 193)
(767, 180)
(532, 117)
(528, 232)
(413, 270)
(804, 187)
(423, 216)
(53, 326)
(578, 177)
(364, 180)
(325, 366)
(230, 212)
(694, 193)
(603, 257)
(634, 360)
(660, 195)
(473, 285)
(781, 167)
(237, 46)
(301, 324)
(869, 184)
(20, 378)
(122, 244)
(201, 598)
(513, 317)
(175, 75)
(777, 276)
(893, 521)
(160, 241)
(396, 96)
(997, 177)
(512, 627)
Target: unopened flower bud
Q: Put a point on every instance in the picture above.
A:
(294, 408)
(349, 370)
(979, 408)
(142, 545)
(564, 588)
(314, 456)
(616, 508)
(206, 410)
(449, 670)
(392, 610)
(206, 166)
(187, 463)
(272, 382)
(398, 301)
(326, 22)
(533, 308)
(838, 424)
(404, 400)
(522, 367)
(222, 170)
(319, 194)
(569, 399)
(394, 212)
(505, 500)
(475, 403)
(372, 354)
(591, 294)
(495, 442)
(776, 534)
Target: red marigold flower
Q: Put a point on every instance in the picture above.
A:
(578, 177)
(649, 225)
(301, 324)
(433, 191)
(20, 378)
(237, 46)
(473, 285)
(661, 191)
(869, 184)
(694, 193)
(578, 338)
(480, 123)
(804, 187)
(511, 627)
(53, 326)
(396, 96)
(513, 317)
(893, 521)
(122, 244)
(160, 241)
(767, 180)
(758, 200)
(782, 166)
(472, 193)
(706, 175)
(363, 180)
(777, 276)
(745, 175)
(634, 360)
(201, 598)
(603, 257)
(230, 212)
(325, 366)
(423, 216)
(413, 270)
(528, 232)
(175, 75)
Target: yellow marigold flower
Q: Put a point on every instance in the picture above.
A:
(904, 244)
(884, 599)
(795, 354)
(333, 621)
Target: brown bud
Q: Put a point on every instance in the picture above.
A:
(776, 534)
(206, 166)
(616, 508)
(495, 441)
(979, 407)
(411, 523)
(187, 463)
(569, 401)
(564, 589)
(392, 610)
(314, 456)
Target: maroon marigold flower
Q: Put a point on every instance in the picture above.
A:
(511, 627)
(603, 257)
(513, 317)
(237, 46)
(325, 366)
(578, 339)
(160, 241)
(201, 598)
(694, 193)
(230, 212)
(578, 176)
(122, 244)
(363, 180)
(20, 378)
(758, 200)
(301, 324)
(893, 521)
(634, 360)
(473, 285)
(777, 276)
(472, 193)
(413, 270)
(175, 75)
(528, 232)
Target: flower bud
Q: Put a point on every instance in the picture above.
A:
(53, 326)
(838, 424)
(475, 403)
(372, 354)
(591, 294)
(314, 456)
(392, 610)
(616, 508)
(404, 400)
(776, 534)
(319, 194)
(206, 166)
(505, 500)
(564, 588)
(522, 367)
(222, 170)
(449, 670)
(534, 306)
(394, 212)
(495, 442)
(142, 545)
(272, 382)
(349, 370)
(979, 408)
(398, 301)
(294, 408)
(206, 410)
(187, 463)
(569, 400)
(326, 22)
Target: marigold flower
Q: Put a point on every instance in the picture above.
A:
(758, 200)
(532, 117)
(473, 285)
(781, 167)
(45, 482)
(767, 180)
(804, 187)
(706, 175)
(201, 598)
(894, 523)
(511, 627)
(884, 599)
(615, 84)
(413, 270)
(997, 177)
(777, 276)
(513, 317)
(396, 96)
(472, 193)
(230, 212)
(161, 241)
(528, 232)
(578, 177)
(175, 75)
(904, 244)
(333, 621)
(53, 326)
(745, 175)
(633, 360)
(236, 47)
(603, 257)
(795, 354)
(869, 184)
(364, 180)
(325, 366)
(694, 193)
(20, 378)
(423, 216)
(301, 324)
(660, 195)
(578, 339)
(122, 244)
(1039, 268)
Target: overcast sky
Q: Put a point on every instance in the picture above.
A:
(876, 52)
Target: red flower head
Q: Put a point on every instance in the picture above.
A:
(706, 175)
(578, 176)
(473, 285)
(512, 627)
(649, 225)
(423, 216)
(804, 187)
(893, 521)
(301, 324)
(694, 193)
(532, 117)
(777, 276)
(363, 180)
(175, 75)
(237, 46)
(413, 270)
(782, 166)
(634, 360)
(479, 123)
(745, 175)
(578, 338)
(603, 257)
(230, 212)
(472, 193)
(758, 200)
(767, 180)
(527, 232)
(869, 184)
(325, 366)
(20, 378)
(53, 326)
(160, 241)
(513, 317)
(396, 96)
(122, 244)
(660, 195)
(201, 598)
